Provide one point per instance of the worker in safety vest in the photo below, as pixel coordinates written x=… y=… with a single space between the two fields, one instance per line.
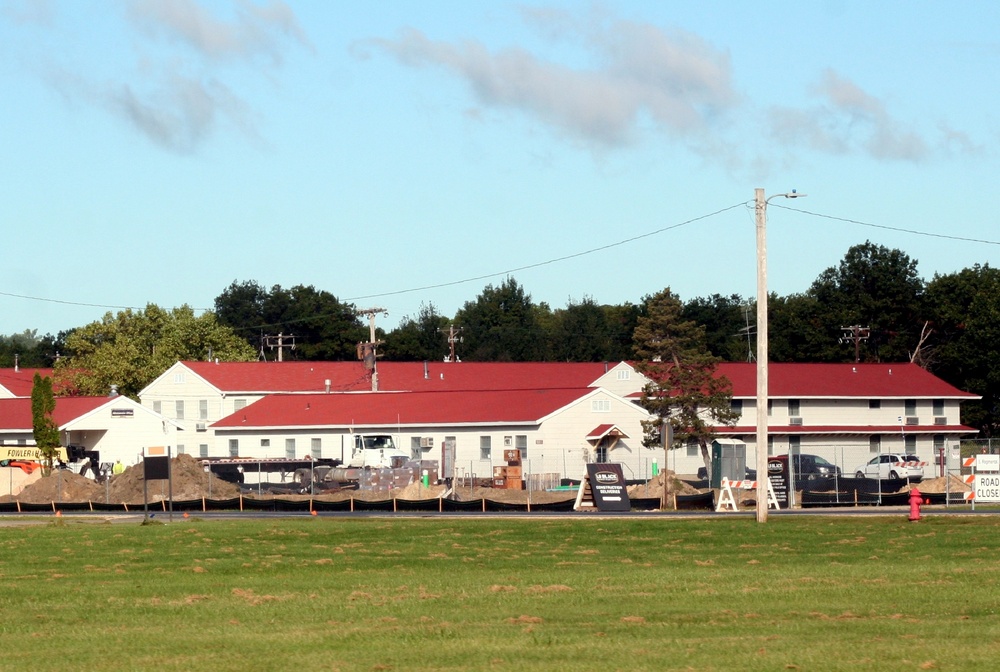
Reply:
x=118 y=468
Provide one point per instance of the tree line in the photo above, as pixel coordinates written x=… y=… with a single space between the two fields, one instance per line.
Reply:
x=872 y=307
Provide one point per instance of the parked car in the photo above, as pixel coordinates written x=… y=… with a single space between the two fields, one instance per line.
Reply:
x=892 y=466
x=812 y=472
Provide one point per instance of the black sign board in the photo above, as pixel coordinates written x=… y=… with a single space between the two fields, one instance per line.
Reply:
x=607 y=485
x=777 y=473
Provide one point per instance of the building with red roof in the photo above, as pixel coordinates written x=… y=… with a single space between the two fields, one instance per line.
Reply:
x=17 y=382
x=118 y=428
x=844 y=412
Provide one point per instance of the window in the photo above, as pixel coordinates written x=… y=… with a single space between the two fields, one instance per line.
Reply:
x=911 y=443
x=234 y=447
x=938 y=405
x=794 y=445
x=316 y=448
x=203 y=409
x=180 y=448
x=875 y=443
x=601 y=455
x=770 y=445
x=521 y=443
x=158 y=407
x=239 y=404
x=793 y=408
x=911 y=407
x=874 y=403
x=265 y=443
x=289 y=449
x=624 y=374
x=202 y=450
x=415 y=448
x=938 y=443
x=600 y=405
x=693 y=448
x=770 y=405
x=178 y=377
x=179 y=409
x=736 y=405
x=485 y=448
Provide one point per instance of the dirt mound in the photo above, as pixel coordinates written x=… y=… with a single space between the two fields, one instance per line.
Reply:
x=188 y=480
x=949 y=484
x=60 y=486
x=653 y=488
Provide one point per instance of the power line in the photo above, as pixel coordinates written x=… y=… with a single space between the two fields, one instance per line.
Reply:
x=887 y=228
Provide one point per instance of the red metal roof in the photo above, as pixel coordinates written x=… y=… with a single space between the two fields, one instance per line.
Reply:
x=601 y=431
x=15 y=414
x=802 y=381
x=391 y=409
x=233 y=377
x=20 y=381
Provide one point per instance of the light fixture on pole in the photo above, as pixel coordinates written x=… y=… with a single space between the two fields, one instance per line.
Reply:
x=760 y=206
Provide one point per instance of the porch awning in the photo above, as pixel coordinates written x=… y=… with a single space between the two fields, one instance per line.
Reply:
x=601 y=431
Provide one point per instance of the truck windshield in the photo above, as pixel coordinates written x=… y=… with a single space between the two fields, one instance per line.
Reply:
x=378 y=442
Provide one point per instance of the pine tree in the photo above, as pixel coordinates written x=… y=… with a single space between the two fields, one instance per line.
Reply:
x=44 y=428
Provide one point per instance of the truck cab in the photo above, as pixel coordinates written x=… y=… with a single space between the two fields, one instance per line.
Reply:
x=376 y=451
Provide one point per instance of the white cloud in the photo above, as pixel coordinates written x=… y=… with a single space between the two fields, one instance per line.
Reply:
x=674 y=79
x=253 y=30
x=848 y=120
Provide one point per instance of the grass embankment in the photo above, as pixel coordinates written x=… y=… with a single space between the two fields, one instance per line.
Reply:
x=583 y=594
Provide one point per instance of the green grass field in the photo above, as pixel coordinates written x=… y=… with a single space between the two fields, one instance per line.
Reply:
x=580 y=593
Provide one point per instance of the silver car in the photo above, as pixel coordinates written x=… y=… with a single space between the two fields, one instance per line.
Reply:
x=892 y=466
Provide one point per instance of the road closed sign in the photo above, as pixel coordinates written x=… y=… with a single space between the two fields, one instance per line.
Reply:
x=987 y=488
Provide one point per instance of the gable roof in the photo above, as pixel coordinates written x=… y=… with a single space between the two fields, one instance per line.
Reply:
x=303 y=377
x=398 y=409
x=20 y=381
x=15 y=414
x=802 y=381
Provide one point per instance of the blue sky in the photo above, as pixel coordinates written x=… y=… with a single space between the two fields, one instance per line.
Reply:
x=407 y=153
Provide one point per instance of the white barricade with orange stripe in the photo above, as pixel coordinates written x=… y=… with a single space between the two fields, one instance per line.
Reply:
x=728 y=501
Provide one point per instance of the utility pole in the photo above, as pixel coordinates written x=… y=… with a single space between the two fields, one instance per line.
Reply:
x=855 y=334
x=277 y=342
x=453 y=338
x=368 y=352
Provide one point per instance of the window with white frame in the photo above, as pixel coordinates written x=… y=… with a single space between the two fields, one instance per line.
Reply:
x=624 y=374
x=938 y=443
x=234 y=447
x=239 y=404
x=910 y=406
x=521 y=443
x=485 y=447
x=911 y=443
x=793 y=408
x=158 y=406
x=203 y=409
x=601 y=456
x=316 y=448
x=202 y=450
x=179 y=409
x=938 y=405
x=180 y=449
x=178 y=376
x=875 y=443
x=600 y=405
x=265 y=443
x=736 y=405
x=289 y=449
x=794 y=445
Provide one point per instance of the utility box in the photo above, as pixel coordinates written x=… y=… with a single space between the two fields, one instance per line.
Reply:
x=729 y=460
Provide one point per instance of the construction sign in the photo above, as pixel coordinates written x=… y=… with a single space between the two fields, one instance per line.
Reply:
x=604 y=488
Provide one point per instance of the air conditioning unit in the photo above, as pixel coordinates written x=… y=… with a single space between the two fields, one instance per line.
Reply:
x=795 y=421
x=940 y=420
x=426 y=442
x=200 y=427
x=912 y=421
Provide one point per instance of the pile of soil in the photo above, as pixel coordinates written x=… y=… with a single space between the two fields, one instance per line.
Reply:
x=188 y=481
x=942 y=484
x=654 y=487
